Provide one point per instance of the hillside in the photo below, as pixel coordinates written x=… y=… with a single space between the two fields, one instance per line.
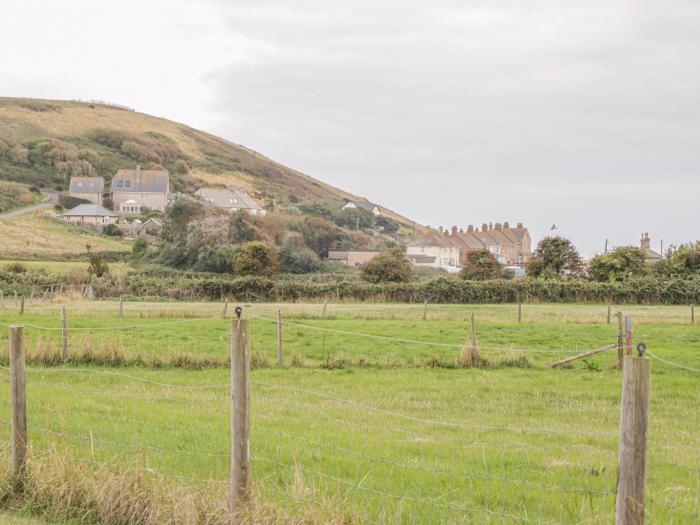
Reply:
x=45 y=142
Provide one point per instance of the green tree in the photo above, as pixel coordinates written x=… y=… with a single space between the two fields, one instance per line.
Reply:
x=386 y=224
x=112 y=230
x=139 y=248
x=681 y=261
x=480 y=265
x=295 y=257
x=257 y=258
x=178 y=216
x=554 y=257
x=354 y=219
x=241 y=228
x=319 y=234
x=388 y=266
x=618 y=265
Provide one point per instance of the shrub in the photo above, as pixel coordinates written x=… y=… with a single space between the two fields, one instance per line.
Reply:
x=16 y=267
x=387 y=225
x=620 y=264
x=98 y=266
x=107 y=202
x=299 y=260
x=112 y=230
x=139 y=248
x=69 y=202
x=683 y=261
x=388 y=266
x=480 y=265
x=319 y=234
x=257 y=259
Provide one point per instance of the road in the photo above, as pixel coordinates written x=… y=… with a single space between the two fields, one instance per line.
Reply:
x=48 y=202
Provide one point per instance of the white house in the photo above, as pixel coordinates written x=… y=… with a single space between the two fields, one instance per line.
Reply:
x=435 y=251
x=230 y=199
x=363 y=204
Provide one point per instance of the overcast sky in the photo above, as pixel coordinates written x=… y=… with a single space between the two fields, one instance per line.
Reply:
x=584 y=113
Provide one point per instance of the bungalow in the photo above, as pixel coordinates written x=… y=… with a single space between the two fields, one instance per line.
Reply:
x=148 y=188
x=87 y=188
x=230 y=199
x=90 y=215
x=363 y=204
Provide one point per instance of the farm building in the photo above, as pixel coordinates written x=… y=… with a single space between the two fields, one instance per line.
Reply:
x=90 y=215
x=230 y=199
x=148 y=188
x=363 y=204
x=87 y=188
x=352 y=258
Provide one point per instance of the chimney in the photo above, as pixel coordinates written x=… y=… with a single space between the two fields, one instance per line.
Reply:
x=470 y=228
x=646 y=242
x=461 y=230
x=454 y=230
x=506 y=225
x=138 y=175
x=490 y=226
x=520 y=225
x=484 y=227
x=498 y=226
x=440 y=229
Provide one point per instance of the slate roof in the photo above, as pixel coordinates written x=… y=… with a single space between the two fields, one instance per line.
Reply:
x=433 y=239
x=89 y=210
x=231 y=198
x=469 y=240
x=141 y=181
x=86 y=185
x=364 y=204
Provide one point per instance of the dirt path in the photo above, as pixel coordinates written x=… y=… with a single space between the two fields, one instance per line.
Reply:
x=48 y=202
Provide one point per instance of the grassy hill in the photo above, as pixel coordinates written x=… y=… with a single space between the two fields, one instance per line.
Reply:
x=45 y=142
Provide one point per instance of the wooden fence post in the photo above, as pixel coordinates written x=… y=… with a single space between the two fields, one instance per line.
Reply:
x=620 y=341
x=21 y=306
x=64 y=332
x=692 y=313
x=472 y=334
x=520 y=312
x=628 y=335
x=19 y=403
x=240 y=413
x=280 y=354
x=15 y=297
x=632 y=457
x=2 y=299
x=609 y=312
x=325 y=306
x=121 y=305
x=425 y=310
x=223 y=312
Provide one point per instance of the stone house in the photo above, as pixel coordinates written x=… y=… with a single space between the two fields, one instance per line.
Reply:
x=363 y=204
x=230 y=199
x=90 y=215
x=510 y=246
x=148 y=188
x=434 y=250
x=645 y=245
x=87 y=188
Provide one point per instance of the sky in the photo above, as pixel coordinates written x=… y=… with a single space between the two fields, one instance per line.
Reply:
x=583 y=114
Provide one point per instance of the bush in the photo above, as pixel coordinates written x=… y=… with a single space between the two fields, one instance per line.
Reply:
x=622 y=263
x=299 y=260
x=68 y=202
x=107 y=202
x=683 y=261
x=386 y=224
x=16 y=267
x=257 y=259
x=139 y=248
x=480 y=265
x=112 y=230
x=389 y=266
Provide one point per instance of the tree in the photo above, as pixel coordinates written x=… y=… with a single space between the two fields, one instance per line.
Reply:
x=354 y=219
x=112 y=230
x=257 y=258
x=386 y=224
x=319 y=234
x=480 y=265
x=621 y=263
x=296 y=257
x=139 y=248
x=683 y=261
x=554 y=257
x=97 y=265
x=178 y=215
x=388 y=266
x=241 y=228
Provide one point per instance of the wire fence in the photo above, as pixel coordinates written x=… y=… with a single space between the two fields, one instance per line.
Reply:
x=378 y=452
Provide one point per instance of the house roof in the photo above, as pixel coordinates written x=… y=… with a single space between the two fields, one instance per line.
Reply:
x=651 y=254
x=433 y=239
x=231 y=198
x=141 y=181
x=86 y=185
x=89 y=210
x=364 y=204
x=469 y=240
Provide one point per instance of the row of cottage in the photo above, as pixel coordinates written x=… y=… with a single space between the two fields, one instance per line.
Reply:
x=135 y=191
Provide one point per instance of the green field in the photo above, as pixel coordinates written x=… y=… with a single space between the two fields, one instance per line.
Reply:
x=356 y=429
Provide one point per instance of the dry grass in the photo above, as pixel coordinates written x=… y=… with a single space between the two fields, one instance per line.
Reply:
x=31 y=235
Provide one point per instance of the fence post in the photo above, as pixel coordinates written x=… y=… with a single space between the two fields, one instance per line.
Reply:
x=472 y=333
x=19 y=403
x=64 y=332
x=280 y=354
x=620 y=341
x=240 y=413
x=425 y=310
x=21 y=306
x=628 y=335
x=15 y=297
x=632 y=457
x=692 y=313
x=609 y=312
x=2 y=299
x=520 y=311
x=325 y=305
x=223 y=312
x=121 y=305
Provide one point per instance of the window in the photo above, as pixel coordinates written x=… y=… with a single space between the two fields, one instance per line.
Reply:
x=128 y=184
x=120 y=184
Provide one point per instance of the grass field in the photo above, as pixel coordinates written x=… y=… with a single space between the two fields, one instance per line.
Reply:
x=381 y=437
x=34 y=235
x=64 y=267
